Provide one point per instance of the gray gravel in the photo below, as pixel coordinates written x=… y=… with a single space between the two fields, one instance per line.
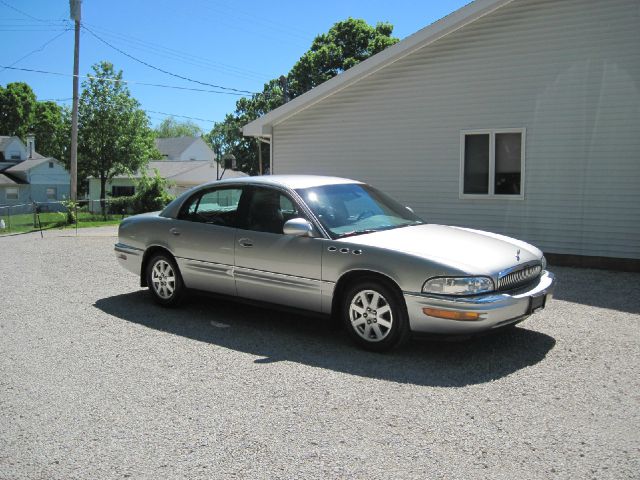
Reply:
x=97 y=382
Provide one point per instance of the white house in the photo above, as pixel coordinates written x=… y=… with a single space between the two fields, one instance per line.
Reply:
x=26 y=176
x=187 y=162
x=516 y=116
x=182 y=149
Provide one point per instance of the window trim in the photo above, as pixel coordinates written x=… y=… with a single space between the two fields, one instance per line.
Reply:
x=6 y=193
x=55 y=193
x=182 y=211
x=492 y=164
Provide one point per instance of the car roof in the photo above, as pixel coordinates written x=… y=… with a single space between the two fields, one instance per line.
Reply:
x=289 y=181
x=292 y=182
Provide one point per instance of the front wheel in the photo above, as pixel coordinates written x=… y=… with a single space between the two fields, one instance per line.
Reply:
x=375 y=316
x=164 y=280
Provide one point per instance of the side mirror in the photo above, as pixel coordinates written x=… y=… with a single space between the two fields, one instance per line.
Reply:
x=298 y=227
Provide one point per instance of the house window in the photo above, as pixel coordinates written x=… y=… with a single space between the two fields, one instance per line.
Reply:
x=123 y=191
x=14 y=155
x=51 y=193
x=50 y=164
x=11 y=193
x=492 y=163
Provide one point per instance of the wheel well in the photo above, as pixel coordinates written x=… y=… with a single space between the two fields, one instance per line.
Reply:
x=357 y=276
x=148 y=254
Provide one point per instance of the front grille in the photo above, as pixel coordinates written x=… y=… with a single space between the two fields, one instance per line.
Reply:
x=519 y=278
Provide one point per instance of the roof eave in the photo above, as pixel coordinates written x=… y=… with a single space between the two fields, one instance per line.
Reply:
x=471 y=12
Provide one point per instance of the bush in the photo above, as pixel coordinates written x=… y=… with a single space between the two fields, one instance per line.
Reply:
x=120 y=205
x=70 y=214
x=151 y=193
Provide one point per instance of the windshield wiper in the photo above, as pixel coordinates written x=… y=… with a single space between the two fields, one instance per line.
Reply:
x=359 y=232
x=379 y=229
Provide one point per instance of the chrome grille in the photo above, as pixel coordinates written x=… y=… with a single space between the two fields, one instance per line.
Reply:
x=519 y=278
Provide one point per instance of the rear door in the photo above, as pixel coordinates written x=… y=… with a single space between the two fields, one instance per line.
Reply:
x=203 y=236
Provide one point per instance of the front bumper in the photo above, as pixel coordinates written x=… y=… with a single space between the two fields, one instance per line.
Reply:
x=495 y=309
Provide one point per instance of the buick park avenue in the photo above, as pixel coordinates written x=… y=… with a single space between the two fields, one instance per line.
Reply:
x=337 y=247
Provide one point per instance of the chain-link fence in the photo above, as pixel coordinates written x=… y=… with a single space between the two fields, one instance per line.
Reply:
x=45 y=215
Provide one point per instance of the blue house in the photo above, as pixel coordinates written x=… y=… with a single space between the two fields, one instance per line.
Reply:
x=26 y=176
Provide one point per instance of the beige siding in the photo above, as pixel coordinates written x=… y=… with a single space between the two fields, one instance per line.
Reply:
x=567 y=71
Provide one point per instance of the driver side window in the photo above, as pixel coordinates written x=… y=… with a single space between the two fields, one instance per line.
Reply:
x=269 y=210
x=217 y=207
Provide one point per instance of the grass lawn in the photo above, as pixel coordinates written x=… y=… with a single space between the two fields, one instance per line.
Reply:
x=25 y=222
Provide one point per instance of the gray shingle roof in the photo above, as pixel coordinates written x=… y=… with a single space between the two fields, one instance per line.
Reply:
x=173 y=147
x=192 y=171
x=4 y=141
x=7 y=180
x=28 y=164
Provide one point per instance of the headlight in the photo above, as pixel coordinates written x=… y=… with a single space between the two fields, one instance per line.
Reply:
x=544 y=263
x=458 y=285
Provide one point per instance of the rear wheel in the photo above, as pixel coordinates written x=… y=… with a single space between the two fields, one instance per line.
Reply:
x=375 y=316
x=164 y=280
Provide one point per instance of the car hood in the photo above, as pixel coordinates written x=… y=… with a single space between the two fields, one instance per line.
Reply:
x=467 y=250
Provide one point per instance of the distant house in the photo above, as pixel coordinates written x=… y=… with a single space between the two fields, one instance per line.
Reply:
x=520 y=117
x=183 y=149
x=189 y=162
x=26 y=176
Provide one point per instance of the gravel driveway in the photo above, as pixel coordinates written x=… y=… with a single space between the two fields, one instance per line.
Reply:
x=96 y=382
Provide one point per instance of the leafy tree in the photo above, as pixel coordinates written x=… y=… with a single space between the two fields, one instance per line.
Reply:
x=21 y=113
x=51 y=126
x=170 y=127
x=113 y=132
x=17 y=106
x=346 y=44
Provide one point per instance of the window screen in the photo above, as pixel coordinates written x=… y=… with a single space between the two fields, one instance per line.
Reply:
x=476 y=163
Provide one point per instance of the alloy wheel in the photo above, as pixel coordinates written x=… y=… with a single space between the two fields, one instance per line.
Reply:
x=370 y=315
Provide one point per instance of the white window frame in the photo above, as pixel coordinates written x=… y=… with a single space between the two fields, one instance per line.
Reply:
x=17 y=193
x=492 y=163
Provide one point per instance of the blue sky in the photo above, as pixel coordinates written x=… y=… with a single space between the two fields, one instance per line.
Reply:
x=233 y=44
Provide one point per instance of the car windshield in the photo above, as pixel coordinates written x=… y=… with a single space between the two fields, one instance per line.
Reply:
x=353 y=209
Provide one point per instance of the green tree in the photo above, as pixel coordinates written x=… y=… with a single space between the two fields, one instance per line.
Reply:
x=51 y=126
x=114 y=136
x=17 y=108
x=346 y=44
x=170 y=127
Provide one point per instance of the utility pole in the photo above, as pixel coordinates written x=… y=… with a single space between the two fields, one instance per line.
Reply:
x=75 y=8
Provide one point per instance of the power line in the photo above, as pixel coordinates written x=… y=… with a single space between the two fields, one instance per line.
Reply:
x=165 y=71
x=39 y=49
x=181 y=56
x=22 y=12
x=183 y=116
x=133 y=82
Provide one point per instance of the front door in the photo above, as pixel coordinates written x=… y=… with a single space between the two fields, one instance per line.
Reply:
x=273 y=267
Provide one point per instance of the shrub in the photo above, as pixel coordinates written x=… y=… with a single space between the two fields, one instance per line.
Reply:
x=151 y=193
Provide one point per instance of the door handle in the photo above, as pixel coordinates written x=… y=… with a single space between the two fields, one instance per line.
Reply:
x=174 y=231
x=245 y=242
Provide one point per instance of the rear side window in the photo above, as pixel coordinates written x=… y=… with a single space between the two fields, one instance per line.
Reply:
x=217 y=207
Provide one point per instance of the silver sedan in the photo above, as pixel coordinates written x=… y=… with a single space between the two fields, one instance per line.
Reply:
x=337 y=247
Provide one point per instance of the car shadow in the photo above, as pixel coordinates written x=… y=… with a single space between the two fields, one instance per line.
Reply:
x=276 y=336
x=598 y=288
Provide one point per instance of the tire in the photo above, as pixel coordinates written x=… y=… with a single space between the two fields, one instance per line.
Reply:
x=164 y=280
x=375 y=316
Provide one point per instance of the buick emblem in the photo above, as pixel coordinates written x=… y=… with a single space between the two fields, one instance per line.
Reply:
x=518 y=255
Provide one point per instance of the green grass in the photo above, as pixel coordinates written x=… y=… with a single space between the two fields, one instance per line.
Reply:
x=25 y=222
